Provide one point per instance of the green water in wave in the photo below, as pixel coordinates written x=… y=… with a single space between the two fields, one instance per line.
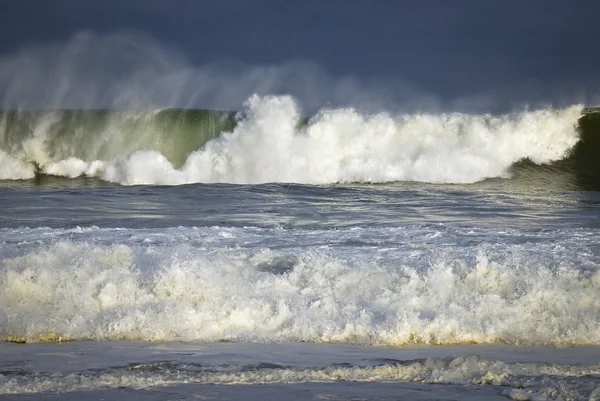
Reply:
x=585 y=155
x=45 y=136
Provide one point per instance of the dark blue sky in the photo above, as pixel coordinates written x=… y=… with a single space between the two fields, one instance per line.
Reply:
x=541 y=49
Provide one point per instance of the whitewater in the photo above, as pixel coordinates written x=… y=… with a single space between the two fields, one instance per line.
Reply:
x=271 y=141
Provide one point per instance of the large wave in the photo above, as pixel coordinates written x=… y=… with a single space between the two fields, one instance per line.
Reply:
x=271 y=141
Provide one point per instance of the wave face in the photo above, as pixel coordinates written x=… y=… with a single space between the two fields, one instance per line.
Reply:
x=84 y=142
x=270 y=141
x=387 y=286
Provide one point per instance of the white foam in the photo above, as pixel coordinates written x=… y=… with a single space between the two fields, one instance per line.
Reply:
x=204 y=287
x=73 y=167
x=342 y=145
x=345 y=146
x=14 y=169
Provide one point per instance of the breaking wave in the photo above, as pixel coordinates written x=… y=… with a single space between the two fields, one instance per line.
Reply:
x=183 y=288
x=271 y=141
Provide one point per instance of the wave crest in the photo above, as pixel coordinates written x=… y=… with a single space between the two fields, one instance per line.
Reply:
x=272 y=142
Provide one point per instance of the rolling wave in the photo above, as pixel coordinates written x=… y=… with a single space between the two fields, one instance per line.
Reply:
x=270 y=141
x=521 y=381
x=208 y=284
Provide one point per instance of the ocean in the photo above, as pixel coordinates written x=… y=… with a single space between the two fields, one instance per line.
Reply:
x=193 y=254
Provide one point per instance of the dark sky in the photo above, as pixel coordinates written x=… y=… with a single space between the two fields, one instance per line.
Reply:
x=545 y=50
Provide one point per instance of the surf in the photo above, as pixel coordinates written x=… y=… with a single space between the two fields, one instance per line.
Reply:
x=211 y=284
x=271 y=140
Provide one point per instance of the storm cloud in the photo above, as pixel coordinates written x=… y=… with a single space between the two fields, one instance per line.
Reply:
x=462 y=53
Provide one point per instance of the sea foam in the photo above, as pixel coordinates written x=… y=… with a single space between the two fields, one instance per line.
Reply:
x=204 y=287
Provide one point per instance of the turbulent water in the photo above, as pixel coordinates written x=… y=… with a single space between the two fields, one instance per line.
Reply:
x=270 y=141
x=358 y=229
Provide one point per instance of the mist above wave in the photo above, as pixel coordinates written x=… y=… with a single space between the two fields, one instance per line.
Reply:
x=133 y=71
